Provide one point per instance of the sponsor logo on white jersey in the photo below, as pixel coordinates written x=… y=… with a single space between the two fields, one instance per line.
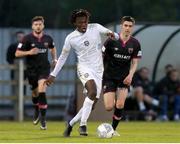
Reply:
x=86 y=43
x=86 y=75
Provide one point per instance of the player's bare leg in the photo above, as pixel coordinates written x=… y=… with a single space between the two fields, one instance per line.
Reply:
x=109 y=102
x=119 y=108
x=109 y=99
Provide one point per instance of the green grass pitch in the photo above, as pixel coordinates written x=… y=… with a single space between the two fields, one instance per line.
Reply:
x=26 y=132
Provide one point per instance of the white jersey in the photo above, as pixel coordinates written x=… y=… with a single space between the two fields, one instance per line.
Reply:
x=87 y=46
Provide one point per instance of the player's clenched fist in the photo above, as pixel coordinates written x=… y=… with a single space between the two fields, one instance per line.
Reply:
x=34 y=51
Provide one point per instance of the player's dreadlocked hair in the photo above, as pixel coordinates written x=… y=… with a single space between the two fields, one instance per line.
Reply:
x=127 y=18
x=79 y=13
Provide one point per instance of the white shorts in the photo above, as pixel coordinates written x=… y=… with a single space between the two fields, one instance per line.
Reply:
x=85 y=74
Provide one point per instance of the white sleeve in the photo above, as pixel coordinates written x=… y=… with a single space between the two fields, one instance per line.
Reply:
x=103 y=30
x=116 y=36
x=62 y=58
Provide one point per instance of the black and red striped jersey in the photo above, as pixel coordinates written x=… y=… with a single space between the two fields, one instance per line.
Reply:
x=43 y=44
x=118 y=56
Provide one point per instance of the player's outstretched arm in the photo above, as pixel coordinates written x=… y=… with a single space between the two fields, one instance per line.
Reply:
x=133 y=68
x=61 y=60
x=53 y=52
x=107 y=32
x=50 y=80
x=20 y=53
x=113 y=35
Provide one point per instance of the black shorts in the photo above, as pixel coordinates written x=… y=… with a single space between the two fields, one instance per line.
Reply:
x=111 y=85
x=34 y=75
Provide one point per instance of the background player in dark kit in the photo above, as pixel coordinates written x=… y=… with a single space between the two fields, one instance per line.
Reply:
x=35 y=48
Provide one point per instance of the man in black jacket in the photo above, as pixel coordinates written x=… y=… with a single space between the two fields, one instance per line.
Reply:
x=168 y=90
x=10 y=55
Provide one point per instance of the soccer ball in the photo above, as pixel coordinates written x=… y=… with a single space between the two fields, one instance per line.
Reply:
x=105 y=130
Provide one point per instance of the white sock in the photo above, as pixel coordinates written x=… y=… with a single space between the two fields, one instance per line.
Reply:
x=86 y=110
x=142 y=106
x=155 y=102
x=76 y=118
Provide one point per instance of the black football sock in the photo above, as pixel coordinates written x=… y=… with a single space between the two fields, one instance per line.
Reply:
x=43 y=105
x=117 y=117
x=35 y=102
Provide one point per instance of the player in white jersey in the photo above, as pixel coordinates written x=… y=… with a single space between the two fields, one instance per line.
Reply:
x=87 y=41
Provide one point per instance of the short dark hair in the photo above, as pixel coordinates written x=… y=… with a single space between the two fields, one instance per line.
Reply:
x=172 y=71
x=19 y=32
x=143 y=68
x=127 y=18
x=79 y=13
x=168 y=66
x=37 y=18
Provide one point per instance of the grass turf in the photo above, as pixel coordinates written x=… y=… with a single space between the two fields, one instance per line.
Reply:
x=166 y=132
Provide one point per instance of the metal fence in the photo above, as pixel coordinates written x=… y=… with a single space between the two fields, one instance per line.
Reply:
x=16 y=104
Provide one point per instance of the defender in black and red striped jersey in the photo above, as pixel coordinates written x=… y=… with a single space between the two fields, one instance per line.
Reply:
x=35 y=48
x=120 y=62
